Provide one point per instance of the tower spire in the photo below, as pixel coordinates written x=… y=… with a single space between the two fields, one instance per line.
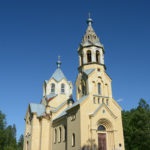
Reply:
x=90 y=38
x=58 y=62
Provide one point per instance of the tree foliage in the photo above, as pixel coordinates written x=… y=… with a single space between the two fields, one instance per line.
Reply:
x=136 y=123
x=20 y=143
x=8 y=136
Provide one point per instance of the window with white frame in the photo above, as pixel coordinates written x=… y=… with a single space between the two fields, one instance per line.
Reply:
x=52 y=88
x=62 y=88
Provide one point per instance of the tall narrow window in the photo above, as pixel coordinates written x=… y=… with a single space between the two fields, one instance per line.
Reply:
x=97 y=57
x=99 y=88
x=83 y=87
x=89 y=59
x=73 y=140
x=52 y=88
x=62 y=88
x=55 y=135
x=94 y=100
x=65 y=134
x=27 y=148
x=60 y=134
x=81 y=60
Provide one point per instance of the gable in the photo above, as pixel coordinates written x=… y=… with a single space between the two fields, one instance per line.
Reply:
x=104 y=108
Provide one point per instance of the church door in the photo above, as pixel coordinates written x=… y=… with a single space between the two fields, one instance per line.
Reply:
x=102 y=141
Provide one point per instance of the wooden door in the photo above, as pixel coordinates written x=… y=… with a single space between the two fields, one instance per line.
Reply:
x=102 y=141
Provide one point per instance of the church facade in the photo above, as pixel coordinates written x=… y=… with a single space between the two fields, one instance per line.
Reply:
x=92 y=122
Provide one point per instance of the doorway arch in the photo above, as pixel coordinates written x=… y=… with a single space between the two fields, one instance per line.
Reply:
x=103 y=128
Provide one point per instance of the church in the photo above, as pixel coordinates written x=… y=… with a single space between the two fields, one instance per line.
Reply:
x=92 y=121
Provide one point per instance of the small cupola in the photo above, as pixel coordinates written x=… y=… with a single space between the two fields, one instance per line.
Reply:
x=57 y=84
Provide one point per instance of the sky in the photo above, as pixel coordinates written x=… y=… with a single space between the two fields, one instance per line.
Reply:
x=34 y=33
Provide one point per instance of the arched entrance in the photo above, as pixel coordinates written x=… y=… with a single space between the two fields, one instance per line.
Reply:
x=102 y=144
x=103 y=127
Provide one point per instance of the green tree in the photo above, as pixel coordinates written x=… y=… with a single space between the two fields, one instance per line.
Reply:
x=20 y=143
x=2 y=130
x=7 y=134
x=136 y=124
x=10 y=135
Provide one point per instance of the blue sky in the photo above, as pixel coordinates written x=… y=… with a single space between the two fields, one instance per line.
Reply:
x=34 y=33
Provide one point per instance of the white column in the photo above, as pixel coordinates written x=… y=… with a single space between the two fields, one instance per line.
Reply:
x=93 y=56
x=101 y=57
x=84 y=57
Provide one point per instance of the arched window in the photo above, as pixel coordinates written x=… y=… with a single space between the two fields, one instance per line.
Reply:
x=64 y=133
x=73 y=140
x=52 y=88
x=101 y=128
x=94 y=100
x=83 y=87
x=81 y=60
x=97 y=56
x=55 y=135
x=60 y=134
x=27 y=148
x=62 y=88
x=99 y=88
x=89 y=59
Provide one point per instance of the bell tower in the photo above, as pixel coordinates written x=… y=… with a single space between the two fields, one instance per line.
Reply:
x=92 y=78
x=90 y=51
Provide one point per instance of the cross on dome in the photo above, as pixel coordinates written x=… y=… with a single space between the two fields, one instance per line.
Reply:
x=58 y=62
x=89 y=21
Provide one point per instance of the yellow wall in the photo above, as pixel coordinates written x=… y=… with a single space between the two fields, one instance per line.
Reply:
x=73 y=127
